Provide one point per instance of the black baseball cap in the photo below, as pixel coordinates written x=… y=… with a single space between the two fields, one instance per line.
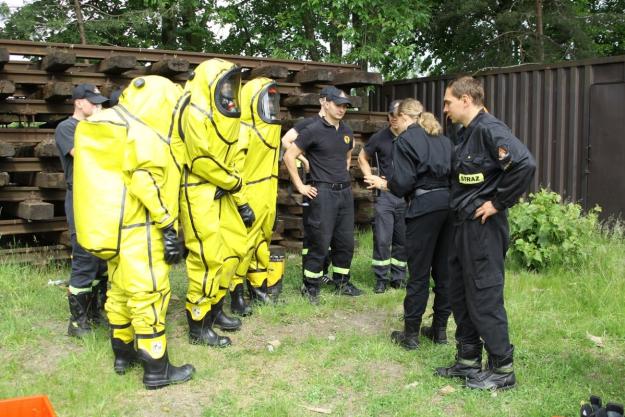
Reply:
x=329 y=91
x=392 y=108
x=339 y=97
x=89 y=92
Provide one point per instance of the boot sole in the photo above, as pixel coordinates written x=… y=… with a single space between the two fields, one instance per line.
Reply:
x=164 y=384
x=201 y=343
x=227 y=329
x=508 y=387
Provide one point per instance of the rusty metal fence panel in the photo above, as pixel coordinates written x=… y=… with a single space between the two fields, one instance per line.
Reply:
x=547 y=107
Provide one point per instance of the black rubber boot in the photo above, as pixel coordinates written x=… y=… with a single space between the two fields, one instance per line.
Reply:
x=79 y=320
x=409 y=338
x=158 y=373
x=468 y=362
x=274 y=291
x=590 y=409
x=437 y=335
x=380 y=286
x=95 y=310
x=221 y=320
x=237 y=302
x=201 y=332
x=311 y=289
x=125 y=355
x=259 y=294
x=498 y=375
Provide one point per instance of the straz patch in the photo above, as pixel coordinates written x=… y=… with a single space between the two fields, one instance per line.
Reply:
x=346 y=139
x=470 y=179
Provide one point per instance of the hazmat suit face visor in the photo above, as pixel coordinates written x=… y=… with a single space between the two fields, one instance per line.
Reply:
x=269 y=105
x=227 y=93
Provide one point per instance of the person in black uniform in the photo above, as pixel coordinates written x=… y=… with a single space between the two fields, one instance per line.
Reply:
x=287 y=140
x=88 y=279
x=421 y=171
x=491 y=169
x=389 y=227
x=328 y=144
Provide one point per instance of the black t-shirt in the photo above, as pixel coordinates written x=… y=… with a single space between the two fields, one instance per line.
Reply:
x=381 y=143
x=64 y=137
x=304 y=123
x=326 y=149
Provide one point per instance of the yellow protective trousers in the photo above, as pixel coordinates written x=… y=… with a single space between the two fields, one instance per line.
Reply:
x=139 y=295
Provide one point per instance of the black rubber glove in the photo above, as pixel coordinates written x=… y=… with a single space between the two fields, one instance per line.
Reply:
x=219 y=192
x=173 y=247
x=247 y=214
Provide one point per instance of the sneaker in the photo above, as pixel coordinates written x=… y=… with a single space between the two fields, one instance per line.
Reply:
x=348 y=289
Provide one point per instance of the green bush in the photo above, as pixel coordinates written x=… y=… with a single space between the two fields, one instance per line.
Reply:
x=545 y=232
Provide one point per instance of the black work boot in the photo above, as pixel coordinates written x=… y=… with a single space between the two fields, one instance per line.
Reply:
x=344 y=287
x=79 y=321
x=468 y=362
x=311 y=289
x=221 y=320
x=158 y=373
x=590 y=409
x=237 y=302
x=498 y=375
x=201 y=332
x=95 y=310
x=409 y=337
x=437 y=335
x=379 y=287
x=125 y=355
x=275 y=290
x=259 y=294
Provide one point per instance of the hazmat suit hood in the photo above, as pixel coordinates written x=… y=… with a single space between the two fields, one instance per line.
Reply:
x=260 y=101
x=215 y=91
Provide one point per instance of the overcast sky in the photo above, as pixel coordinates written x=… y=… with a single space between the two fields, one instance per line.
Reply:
x=15 y=3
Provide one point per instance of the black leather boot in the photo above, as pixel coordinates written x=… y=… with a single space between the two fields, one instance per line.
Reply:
x=95 y=310
x=311 y=289
x=274 y=291
x=79 y=320
x=259 y=294
x=221 y=320
x=409 y=338
x=158 y=373
x=237 y=302
x=125 y=355
x=201 y=332
x=437 y=335
x=498 y=375
x=468 y=362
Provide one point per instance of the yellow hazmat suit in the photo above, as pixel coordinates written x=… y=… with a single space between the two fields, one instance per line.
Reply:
x=128 y=161
x=214 y=231
x=257 y=160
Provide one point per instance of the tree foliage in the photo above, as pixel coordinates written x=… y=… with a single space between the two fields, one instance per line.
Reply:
x=396 y=37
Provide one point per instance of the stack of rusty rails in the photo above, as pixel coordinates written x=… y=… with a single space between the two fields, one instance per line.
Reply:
x=36 y=82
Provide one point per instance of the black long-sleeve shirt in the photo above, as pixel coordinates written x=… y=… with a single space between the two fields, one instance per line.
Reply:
x=489 y=164
x=421 y=162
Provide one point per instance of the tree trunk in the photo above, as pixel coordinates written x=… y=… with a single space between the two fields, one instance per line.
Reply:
x=81 y=23
x=309 y=32
x=539 y=30
x=360 y=41
x=168 y=27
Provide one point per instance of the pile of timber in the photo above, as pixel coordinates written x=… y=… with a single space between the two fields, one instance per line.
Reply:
x=36 y=82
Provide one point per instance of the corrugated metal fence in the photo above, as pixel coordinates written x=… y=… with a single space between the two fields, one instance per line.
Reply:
x=560 y=112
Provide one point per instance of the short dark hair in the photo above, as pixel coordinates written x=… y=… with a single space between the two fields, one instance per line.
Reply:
x=469 y=86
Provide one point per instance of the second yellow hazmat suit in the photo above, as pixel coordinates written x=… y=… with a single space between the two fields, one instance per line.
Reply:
x=257 y=160
x=127 y=160
x=214 y=230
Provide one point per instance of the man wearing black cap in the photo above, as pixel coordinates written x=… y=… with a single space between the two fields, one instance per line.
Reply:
x=88 y=279
x=328 y=144
x=287 y=140
x=389 y=227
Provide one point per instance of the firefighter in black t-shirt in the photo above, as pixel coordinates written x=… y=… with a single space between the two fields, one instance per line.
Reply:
x=328 y=145
x=491 y=168
x=389 y=227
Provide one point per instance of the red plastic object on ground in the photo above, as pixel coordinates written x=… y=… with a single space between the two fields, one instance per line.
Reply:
x=35 y=406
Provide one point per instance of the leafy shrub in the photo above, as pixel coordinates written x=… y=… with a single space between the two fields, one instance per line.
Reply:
x=546 y=232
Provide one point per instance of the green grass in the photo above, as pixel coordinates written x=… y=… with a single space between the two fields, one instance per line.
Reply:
x=336 y=357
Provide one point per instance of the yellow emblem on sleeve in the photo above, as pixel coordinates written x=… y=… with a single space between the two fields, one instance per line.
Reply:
x=470 y=179
x=346 y=138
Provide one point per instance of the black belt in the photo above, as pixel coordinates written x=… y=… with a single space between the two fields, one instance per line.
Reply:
x=420 y=191
x=331 y=185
